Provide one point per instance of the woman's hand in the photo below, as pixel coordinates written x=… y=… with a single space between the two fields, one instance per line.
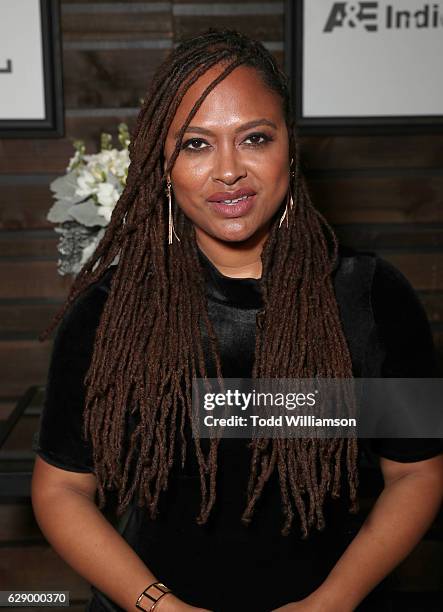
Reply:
x=171 y=603
x=315 y=602
x=296 y=606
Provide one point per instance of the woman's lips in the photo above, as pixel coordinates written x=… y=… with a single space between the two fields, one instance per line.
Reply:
x=234 y=210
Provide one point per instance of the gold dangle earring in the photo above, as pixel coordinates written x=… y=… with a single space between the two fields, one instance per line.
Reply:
x=289 y=199
x=170 y=219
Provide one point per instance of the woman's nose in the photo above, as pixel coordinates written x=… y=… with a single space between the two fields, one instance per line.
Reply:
x=228 y=166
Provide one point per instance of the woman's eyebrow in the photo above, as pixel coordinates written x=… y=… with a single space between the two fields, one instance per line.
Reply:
x=241 y=128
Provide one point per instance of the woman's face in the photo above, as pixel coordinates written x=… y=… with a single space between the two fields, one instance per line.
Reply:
x=236 y=146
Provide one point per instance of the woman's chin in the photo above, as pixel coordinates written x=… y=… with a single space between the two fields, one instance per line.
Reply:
x=234 y=230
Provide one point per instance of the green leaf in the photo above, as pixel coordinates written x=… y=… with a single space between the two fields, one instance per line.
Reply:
x=64 y=188
x=86 y=214
x=60 y=211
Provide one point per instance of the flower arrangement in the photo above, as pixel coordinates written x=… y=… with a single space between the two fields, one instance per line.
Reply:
x=85 y=198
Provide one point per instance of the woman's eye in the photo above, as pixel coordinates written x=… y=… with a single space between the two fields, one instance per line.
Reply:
x=258 y=139
x=198 y=144
x=193 y=144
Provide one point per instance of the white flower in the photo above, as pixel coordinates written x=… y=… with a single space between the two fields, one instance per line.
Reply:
x=105 y=211
x=109 y=166
x=87 y=183
x=120 y=163
x=107 y=197
x=107 y=194
x=97 y=171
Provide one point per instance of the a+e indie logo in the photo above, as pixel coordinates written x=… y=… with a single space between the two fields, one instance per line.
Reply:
x=370 y=16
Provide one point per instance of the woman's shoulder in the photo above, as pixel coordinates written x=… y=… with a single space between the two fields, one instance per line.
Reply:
x=353 y=276
x=395 y=302
x=59 y=439
x=387 y=284
x=376 y=298
x=400 y=319
x=392 y=296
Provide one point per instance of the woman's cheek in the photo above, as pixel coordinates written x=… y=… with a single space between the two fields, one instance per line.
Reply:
x=190 y=173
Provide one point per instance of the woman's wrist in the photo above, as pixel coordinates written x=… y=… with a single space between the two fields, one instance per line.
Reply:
x=150 y=598
x=171 y=603
x=168 y=603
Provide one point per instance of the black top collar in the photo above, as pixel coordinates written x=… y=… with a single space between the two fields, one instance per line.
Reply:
x=240 y=292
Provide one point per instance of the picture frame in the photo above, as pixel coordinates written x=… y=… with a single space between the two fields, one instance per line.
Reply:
x=367 y=77
x=31 y=104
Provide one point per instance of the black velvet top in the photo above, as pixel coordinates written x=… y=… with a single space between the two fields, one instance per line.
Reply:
x=225 y=565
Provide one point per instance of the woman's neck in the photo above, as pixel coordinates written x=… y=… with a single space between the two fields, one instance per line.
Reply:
x=234 y=259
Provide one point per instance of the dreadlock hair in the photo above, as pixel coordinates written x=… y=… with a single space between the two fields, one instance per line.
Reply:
x=148 y=345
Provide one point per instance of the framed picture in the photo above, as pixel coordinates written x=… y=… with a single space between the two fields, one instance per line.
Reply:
x=365 y=66
x=31 y=98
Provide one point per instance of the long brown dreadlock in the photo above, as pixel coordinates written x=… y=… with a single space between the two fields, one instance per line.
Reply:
x=148 y=345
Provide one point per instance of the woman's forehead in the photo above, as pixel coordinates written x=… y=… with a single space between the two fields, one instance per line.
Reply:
x=241 y=95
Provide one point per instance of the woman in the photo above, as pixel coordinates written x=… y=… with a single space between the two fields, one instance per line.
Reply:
x=230 y=273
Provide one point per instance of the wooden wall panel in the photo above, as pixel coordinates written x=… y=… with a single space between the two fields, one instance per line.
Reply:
x=424 y=270
x=376 y=236
x=24 y=163
x=25 y=202
x=24 y=363
x=32 y=279
x=28 y=244
x=18 y=524
x=142 y=22
x=21 y=436
x=100 y=77
x=40 y=569
x=6 y=406
x=382 y=199
x=251 y=24
x=20 y=156
x=377 y=153
x=23 y=319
